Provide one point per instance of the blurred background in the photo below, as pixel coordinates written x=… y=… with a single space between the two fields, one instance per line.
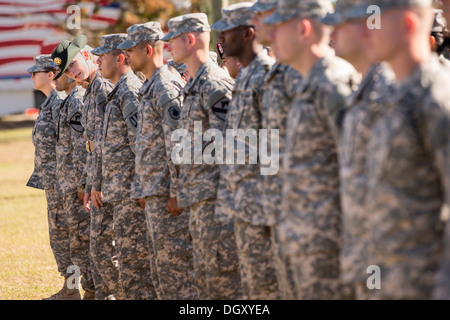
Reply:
x=32 y=27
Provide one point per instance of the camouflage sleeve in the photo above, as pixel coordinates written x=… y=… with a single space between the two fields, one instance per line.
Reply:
x=217 y=96
x=46 y=153
x=100 y=102
x=79 y=153
x=139 y=145
x=332 y=100
x=169 y=105
x=435 y=129
x=130 y=104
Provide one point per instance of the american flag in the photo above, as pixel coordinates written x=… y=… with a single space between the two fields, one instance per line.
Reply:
x=32 y=27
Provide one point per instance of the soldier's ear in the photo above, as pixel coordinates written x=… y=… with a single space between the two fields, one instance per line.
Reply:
x=149 y=50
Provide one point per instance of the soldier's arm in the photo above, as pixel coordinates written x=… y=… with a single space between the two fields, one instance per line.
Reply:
x=100 y=101
x=434 y=126
x=332 y=99
x=79 y=153
x=216 y=98
x=46 y=153
x=169 y=106
x=130 y=108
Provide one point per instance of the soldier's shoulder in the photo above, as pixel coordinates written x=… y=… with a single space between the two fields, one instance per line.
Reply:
x=216 y=79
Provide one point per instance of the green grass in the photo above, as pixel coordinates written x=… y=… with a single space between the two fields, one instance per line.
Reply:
x=27 y=267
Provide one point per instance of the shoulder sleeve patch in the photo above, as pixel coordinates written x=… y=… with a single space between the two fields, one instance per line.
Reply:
x=75 y=122
x=130 y=112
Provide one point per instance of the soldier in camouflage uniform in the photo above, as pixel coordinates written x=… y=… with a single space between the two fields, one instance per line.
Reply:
x=115 y=169
x=156 y=176
x=349 y=20
x=206 y=98
x=408 y=157
x=311 y=225
x=70 y=161
x=44 y=173
x=74 y=59
x=237 y=193
x=278 y=91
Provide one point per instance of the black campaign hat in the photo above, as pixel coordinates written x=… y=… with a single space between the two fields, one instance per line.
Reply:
x=66 y=51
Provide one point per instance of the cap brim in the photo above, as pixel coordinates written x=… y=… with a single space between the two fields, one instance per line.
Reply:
x=34 y=69
x=100 y=50
x=72 y=50
x=127 y=44
x=261 y=7
x=354 y=13
x=221 y=25
x=170 y=35
x=332 y=19
x=277 y=17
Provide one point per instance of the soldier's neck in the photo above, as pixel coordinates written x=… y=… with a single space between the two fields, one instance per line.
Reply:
x=249 y=54
x=305 y=62
x=48 y=89
x=195 y=61
x=70 y=87
x=151 y=67
x=405 y=62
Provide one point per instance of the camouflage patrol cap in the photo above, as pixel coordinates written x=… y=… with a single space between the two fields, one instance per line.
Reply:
x=191 y=22
x=346 y=10
x=290 y=9
x=137 y=33
x=233 y=16
x=66 y=51
x=264 y=5
x=439 y=23
x=40 y=62
x=388 y=4
x=109 y=43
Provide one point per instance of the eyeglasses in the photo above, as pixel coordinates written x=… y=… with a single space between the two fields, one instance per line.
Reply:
x=220 y=50
x=36 y=72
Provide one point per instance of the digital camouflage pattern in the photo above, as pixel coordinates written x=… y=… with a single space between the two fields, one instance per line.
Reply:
x=280 y=85
x=94 y=102
x=133 y=251
x=149 y=31
x=278 y=92
x=101 y=231
x=238 y=194
x=233 y=16
x=118 y=169
x=160 y=109
x=408 y=183
x=289 y=9
x=364 y=108
x=156 y=179
x=44 y=177
x=44 y=141
x=70 y=147
x=191 y=22
x=311 y=223
x=173 y=251
x=118 y=139
x=216 y=262
x=206 y=97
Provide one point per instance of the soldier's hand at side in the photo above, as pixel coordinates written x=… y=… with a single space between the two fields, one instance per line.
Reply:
x=96 y=197
x=142 y=202
x=81 y=196
x=86 y=198
x=172 y=207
